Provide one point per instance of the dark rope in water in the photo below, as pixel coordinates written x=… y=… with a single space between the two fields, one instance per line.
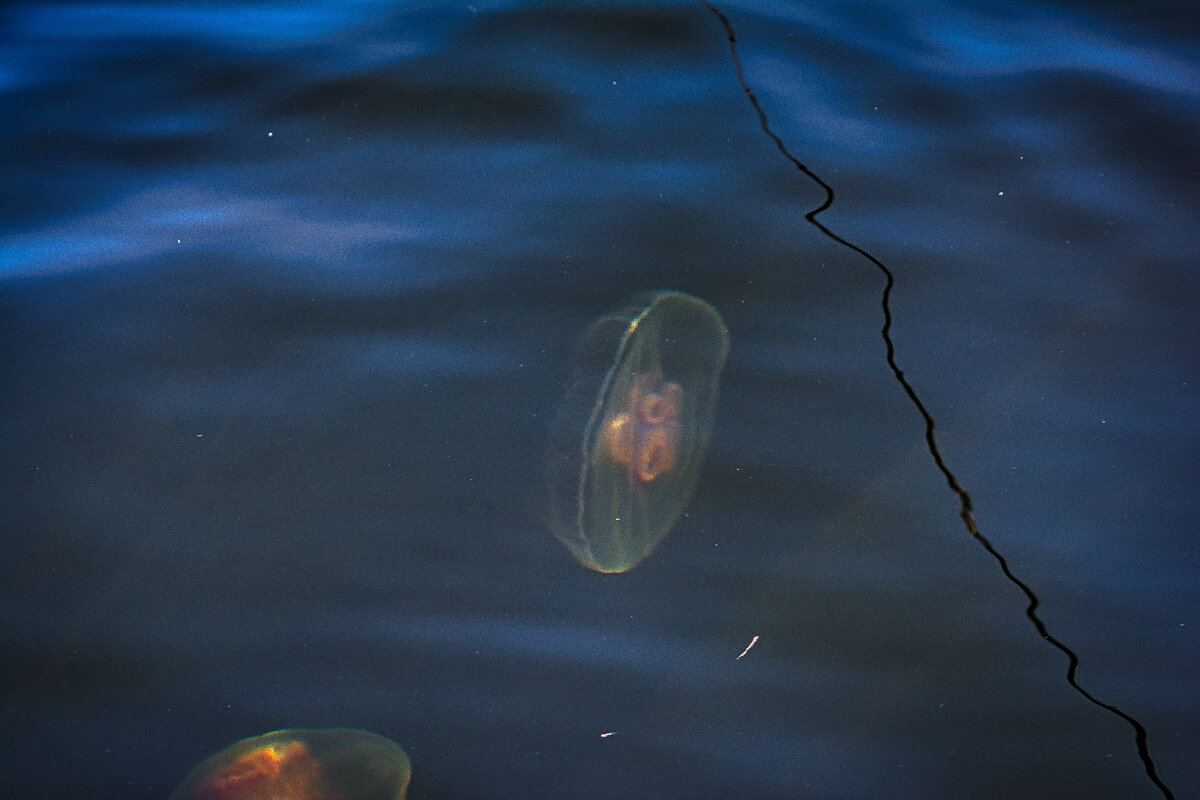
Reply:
x=966 y=510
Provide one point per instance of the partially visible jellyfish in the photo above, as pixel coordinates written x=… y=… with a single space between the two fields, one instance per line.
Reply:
x=627 y=449
x=300 y=764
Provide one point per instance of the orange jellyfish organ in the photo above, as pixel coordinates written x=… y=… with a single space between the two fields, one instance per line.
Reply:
x=283 y=771
x=644 y=437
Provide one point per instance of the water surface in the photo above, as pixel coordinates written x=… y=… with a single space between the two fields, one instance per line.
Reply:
x=289 y=296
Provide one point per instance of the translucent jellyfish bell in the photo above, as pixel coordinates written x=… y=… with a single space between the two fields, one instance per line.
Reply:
x=628 y=447
x=299 y=764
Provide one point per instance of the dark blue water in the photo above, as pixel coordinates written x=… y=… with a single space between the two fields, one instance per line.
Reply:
x=288 y=299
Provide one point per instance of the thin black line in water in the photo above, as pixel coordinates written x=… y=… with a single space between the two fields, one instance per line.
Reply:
x=966 y=510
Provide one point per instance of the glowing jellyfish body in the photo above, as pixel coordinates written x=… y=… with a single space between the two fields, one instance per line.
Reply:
x=325 y=764
x=628 y=447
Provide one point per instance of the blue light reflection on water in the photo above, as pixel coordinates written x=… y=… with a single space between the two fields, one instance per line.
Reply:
x=288 y=304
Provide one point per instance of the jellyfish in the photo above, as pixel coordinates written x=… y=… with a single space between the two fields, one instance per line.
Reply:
x=299 y=764
x=628 y=447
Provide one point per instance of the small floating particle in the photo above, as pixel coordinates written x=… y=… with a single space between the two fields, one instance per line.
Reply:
x=747 y=650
